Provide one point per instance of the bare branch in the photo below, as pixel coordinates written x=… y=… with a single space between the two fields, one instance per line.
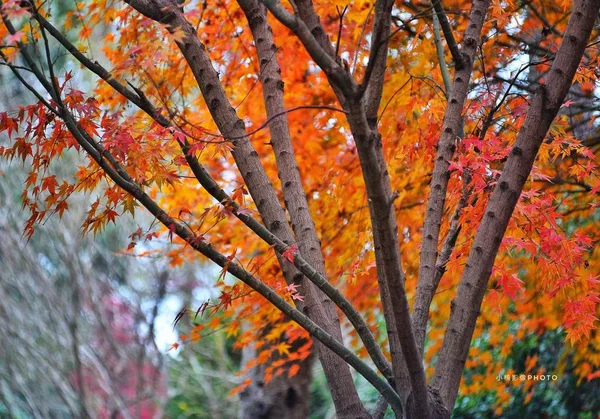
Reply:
x=447 y=29
x=440 y=53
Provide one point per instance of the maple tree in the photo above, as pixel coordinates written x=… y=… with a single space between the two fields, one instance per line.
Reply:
x=414 y=167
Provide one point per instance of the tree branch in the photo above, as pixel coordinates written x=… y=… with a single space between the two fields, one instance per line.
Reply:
x=390 y=273
x=373 y=80
x=295 y=197
x=244 y=154
x=451 y=131
x=96 y=152
x=447 y=29
x=307 y=13
x=439 y=47
x=453 y=231
x=472 y=287
x=269 y=294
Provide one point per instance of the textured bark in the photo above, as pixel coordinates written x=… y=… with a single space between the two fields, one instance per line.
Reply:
x=378 y=59
x=360 y=102
x=119 y=175
x=440 y=14
x=372 y=101
x=289 y=174
x=135 y=96
x=387 y=250
x=545 y=105
x=307 y=13
x=428 y=281
x=379 y=193
x=309 y=16
x=339 y=78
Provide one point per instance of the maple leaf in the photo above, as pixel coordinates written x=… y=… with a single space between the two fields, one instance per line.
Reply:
x=223 y=272
x=179 y=35
x=171 y=231
x=232 y=255
x=454 y=166
x=61 y=207
x=49 y=184
x=292 y=288
x=185 y=211
x=179 y=136
x=245 y=384
x=297 y=297
x=233 y=329
x=510 y=285
x=283 y=348
x=593 y=280
x=111 y=215
x=293 y=370
x=567 y=103
x=214 y=323
x=14 y=38
x=197 y=240
x=593 y=375
x=194 y=148
x=137 y=234
x=226 y=299
x=201 y=309
x=16 y=8
x=151 y=236
x=290 y=253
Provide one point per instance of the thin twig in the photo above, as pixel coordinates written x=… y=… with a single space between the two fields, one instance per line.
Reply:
x=341 y=18
x=447 y=30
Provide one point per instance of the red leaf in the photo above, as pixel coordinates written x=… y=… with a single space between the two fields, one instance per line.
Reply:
x=184 y=211
x=567 y=103
x=290 y=253
x=171 y=231
x=511 y=285
x=293 y=370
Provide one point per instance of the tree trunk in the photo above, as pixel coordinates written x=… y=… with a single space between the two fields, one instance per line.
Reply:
x=282 y=397
x=544 y=107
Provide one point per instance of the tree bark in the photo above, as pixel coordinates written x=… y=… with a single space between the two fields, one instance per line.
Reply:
x=546 y=103
x=135 y=95
x=289 y=174
x=378 y=187
x=282 y=397
x=428 y=281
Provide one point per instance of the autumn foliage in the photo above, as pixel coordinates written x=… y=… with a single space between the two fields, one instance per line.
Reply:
x=546 y=272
